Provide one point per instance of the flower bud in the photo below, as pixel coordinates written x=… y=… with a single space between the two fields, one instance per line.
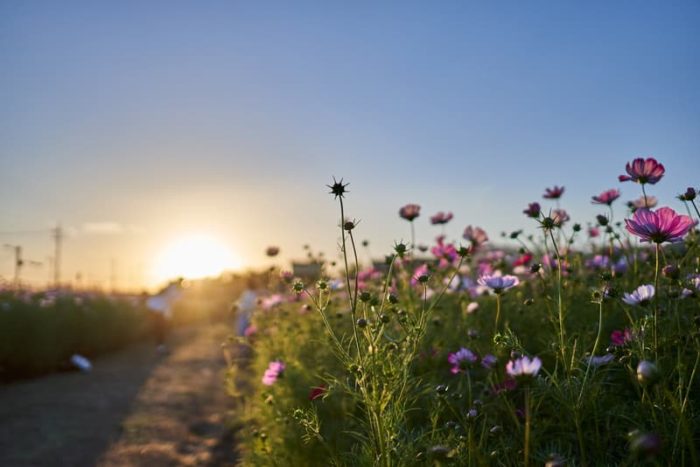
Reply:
x=647 y=373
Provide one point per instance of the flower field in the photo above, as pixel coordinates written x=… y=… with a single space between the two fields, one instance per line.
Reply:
x=576 y=345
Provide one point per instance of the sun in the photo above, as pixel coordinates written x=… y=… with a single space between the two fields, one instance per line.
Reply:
x=194 y=256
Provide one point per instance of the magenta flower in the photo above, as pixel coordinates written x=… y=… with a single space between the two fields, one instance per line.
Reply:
x=446 y=253
x=274 y=371
x=461 y=359
x=662 y=225
x=619 y=338
x=498 y=284
x=410 y=212
x=420 y=272
x=553 y=193
x=441 y=218
x=643 y=171
x=593 y=232
x=523 y=366
x=476 y=236
x=607 y=197
x=643 y=295
x=533 y=210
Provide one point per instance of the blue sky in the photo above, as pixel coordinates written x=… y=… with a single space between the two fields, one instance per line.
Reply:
x=161 y=118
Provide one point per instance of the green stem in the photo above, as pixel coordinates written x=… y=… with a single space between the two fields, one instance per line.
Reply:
x=656 y=303
x=498 y=312
x=527 y=427
x=559 y=302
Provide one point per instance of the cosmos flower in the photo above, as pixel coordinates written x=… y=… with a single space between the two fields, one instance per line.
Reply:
x=273 y=372
x=441 y=218
x=606 y=197
x=560 y=217
x=662 y=225
x=553 y=193
x=643 y=171
x=593 y=232
x=643 y=295
x=410 y=212
x=533 y=210
x=641 y=203
x=461 y=359
x=476 y=236
x=689 y=195
x=598 y=360
x=317 y=392
x=619 y=338
x=523 y=366
x=498 y=284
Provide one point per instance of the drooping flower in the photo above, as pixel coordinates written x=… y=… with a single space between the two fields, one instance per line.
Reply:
x=441 y=218
x=641 y=296
x=553 y=193
x=606 y=197
x=498 y=284
x=643 y=171
x=533 y=210
x=461 y=359
x=662 y=225
x=273 y=372
x=410 y=212
x=476 y=236
x=523 y=366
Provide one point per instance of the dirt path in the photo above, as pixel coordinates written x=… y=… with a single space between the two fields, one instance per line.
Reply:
x=135 y=408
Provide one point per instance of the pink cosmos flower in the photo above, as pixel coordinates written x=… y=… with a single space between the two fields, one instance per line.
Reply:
x=607 y=197
x=461 y=359
x=560 y=217
x=498 y=284
x=410 y=212
x=523 y=366
x=593 y=232
x=446 y=253
x=273 y=372
x=643 y=171
x=476 y=236
x=441 y=218
x=523 y=260
x=643 y=295
x=533 y=210
x=640 y=203
x=619 y=338
x=553 y=193
x=662 y=225
x=419 y=272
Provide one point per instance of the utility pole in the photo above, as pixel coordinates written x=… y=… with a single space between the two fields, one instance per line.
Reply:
x=57 y=238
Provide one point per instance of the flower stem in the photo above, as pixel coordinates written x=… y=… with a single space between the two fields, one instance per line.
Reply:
x=498 y=312
x=646 y=202
x=560 y=305
x=353 y=299
x=656 y=303
x=527 y=427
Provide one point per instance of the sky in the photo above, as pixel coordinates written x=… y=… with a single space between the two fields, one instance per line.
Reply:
x=138 y=124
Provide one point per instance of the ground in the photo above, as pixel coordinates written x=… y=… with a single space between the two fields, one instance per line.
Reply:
x=137 y=407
